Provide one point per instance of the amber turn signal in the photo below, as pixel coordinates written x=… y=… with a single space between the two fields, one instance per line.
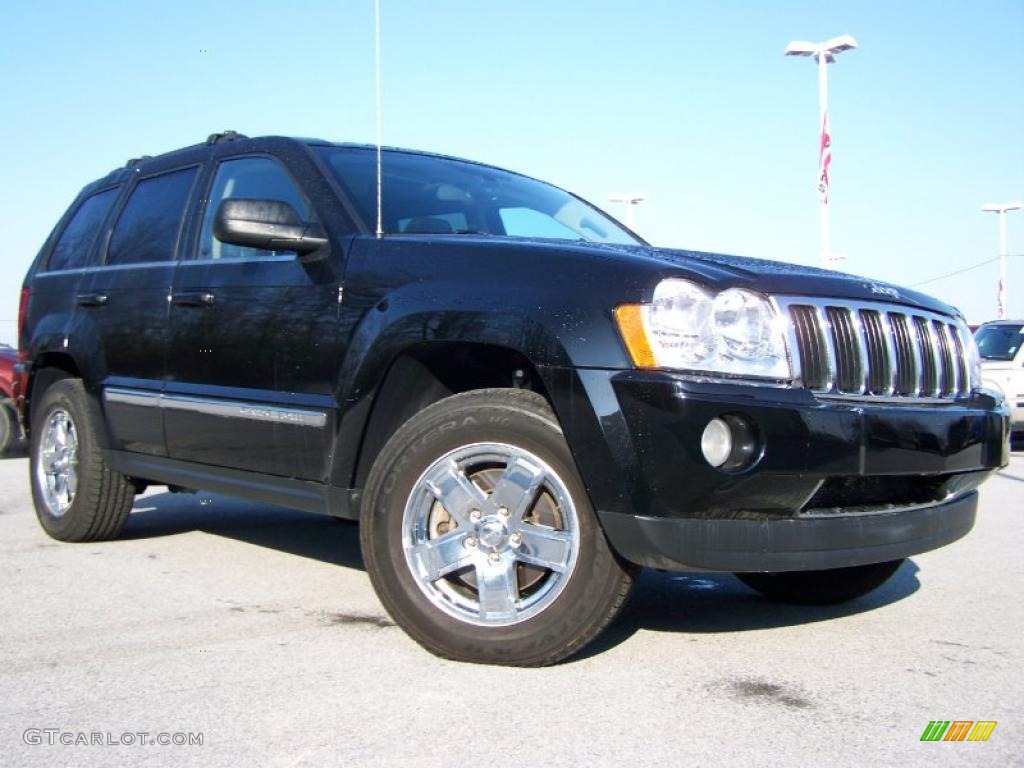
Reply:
x=630 y=319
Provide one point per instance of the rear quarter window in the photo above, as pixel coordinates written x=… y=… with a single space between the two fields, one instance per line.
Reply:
x=76 y=241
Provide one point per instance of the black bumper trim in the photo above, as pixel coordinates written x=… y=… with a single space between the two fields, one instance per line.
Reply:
x=787 y=544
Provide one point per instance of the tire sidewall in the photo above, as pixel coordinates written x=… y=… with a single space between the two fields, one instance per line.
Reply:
x=76 y=519
x=8 y=426
x=434 y=435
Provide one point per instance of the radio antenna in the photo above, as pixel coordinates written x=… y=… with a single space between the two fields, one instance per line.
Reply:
x=380 y=194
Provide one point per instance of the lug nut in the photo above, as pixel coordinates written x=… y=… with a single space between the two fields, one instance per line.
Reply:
x=495 y=557
x=470 y=543
x=516 y=539
x=503 y=511
x=475 y=515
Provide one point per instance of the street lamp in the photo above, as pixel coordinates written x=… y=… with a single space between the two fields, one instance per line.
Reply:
x=824 y=53
x=630 y=201
x=1001 y=209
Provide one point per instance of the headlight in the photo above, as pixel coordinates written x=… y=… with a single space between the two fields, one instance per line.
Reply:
x=735 y=332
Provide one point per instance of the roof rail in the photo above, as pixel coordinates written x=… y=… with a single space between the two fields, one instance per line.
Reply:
x=224 y=136
x=136 y=160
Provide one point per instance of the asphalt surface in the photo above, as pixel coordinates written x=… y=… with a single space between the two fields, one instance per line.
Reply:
x=257 y=628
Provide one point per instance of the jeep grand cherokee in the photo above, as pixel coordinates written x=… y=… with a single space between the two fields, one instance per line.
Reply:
x=520 y=400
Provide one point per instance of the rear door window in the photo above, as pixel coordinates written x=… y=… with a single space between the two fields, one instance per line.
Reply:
x=147 y=230
x=76 y=241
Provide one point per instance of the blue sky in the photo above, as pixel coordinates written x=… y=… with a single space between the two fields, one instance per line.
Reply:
x=691 y=103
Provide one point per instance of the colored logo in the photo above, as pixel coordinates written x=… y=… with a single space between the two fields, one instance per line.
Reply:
x=958 y=730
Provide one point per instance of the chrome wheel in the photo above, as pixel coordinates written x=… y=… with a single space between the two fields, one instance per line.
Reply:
x=57 y=462
x=490 y=534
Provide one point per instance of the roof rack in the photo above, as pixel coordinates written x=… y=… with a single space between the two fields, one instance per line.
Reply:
x=224 y=137
x=136 y=160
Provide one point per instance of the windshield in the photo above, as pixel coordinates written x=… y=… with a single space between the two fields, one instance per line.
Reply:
x=424 y=194
x=999 y=342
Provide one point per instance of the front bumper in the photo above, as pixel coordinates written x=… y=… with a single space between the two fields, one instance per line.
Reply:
x=836 y=482
x=788 y=544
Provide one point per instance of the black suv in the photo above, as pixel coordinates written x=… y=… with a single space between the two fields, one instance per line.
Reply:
x=518 y=398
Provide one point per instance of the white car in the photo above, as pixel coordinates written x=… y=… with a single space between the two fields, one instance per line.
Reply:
x=1001 y=345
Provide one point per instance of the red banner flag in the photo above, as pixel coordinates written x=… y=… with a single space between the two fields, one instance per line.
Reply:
x=824 y=160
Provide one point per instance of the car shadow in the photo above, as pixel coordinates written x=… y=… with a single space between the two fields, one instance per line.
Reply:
x=684 y=603
x=303 y=534
x=710 y=603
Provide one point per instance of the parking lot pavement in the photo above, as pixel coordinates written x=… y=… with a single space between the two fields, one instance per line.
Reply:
x=257 y=628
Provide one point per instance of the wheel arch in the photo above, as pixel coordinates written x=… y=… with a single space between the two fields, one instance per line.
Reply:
x=47 y=369
x=422 y=374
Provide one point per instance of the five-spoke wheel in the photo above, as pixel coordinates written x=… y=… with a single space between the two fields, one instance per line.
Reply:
x=490 y=533
x=479 y=536
x=57 y=462
x=78 y=497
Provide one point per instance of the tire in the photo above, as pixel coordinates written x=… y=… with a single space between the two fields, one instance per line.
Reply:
x=516 y=518
x=828 y=587
x=82 y=498
x=9 y=430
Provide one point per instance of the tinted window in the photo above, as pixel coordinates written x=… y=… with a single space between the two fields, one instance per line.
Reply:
x=526 y=222
x=147 y=229
x=426 y=194
x=999 y=342
x=78 y=236
x=255 y=178
x=437 y=223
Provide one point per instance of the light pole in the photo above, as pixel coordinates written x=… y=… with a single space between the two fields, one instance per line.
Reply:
x=824 y=53
x=1001 y=209
x=630 y=201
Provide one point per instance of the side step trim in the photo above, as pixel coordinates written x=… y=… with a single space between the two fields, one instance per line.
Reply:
x=282 y=491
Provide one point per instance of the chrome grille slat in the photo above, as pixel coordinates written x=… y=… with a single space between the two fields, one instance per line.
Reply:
x=864 y=351
x=806 y=336
x=874 y=350
x=889 y=340
x=849 y=377
x=879 y=380
x=947 y=373
x=929 y=357
x=830 y=352
x=964 y=386
x=906 y=365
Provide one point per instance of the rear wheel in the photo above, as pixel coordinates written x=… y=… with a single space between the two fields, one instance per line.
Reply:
x=77 y=496
x=9 y=431
x=836 y=585
x=479 y=537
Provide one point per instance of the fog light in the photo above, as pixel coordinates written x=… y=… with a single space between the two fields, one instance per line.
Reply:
x=730 y=442
x=716 y=442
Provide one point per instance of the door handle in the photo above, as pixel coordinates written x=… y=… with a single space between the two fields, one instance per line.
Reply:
x=92 y=299
x=192 y=298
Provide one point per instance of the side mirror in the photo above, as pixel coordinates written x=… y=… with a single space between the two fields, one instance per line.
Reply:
x=272 y=225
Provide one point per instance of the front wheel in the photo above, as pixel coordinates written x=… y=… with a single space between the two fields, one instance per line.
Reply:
x=829 y=587
x=479 y=537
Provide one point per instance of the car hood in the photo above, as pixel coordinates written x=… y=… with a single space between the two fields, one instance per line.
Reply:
x=781 y=278
x=636 y=269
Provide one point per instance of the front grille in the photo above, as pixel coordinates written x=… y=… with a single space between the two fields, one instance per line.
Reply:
x=868 y=349
x=839 y=493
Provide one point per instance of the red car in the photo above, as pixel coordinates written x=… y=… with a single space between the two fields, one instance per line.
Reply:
x=10 y=430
